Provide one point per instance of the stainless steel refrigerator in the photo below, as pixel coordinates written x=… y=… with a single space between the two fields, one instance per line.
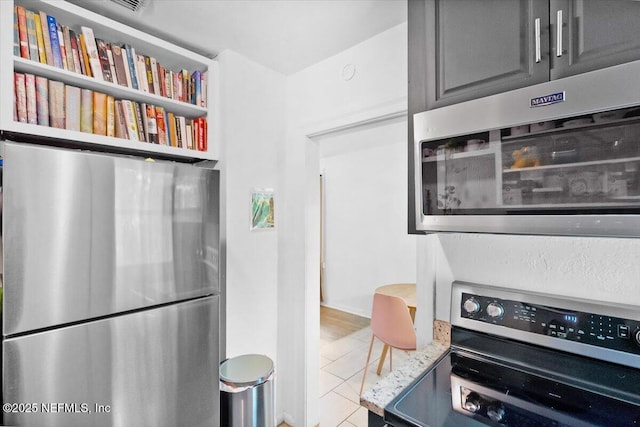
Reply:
x=111 y=290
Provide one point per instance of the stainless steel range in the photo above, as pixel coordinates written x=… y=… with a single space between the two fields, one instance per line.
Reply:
x=528 y=359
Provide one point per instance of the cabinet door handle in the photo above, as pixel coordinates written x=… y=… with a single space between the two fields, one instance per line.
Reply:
x=559 y=34
x=537 y=30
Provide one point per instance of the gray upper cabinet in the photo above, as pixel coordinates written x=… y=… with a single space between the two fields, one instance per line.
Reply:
x=484 y=47
x=594 y=34
x=479 y=48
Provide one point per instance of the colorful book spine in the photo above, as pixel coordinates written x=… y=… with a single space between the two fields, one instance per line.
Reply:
x=21 y=97
x=101 y=45
x=32 y=37
x=155 y=75
x=16 y=32
x=30 y=89
x=55 y=43
x=130 y=120
x=142 y=74
x=99 y=113
x=86 y=110
x=120 y=125
x=149 y=74
x=160 y=123
x=118 y=61
x=92 y=52
x=204 y=83
x=42 y=52
x=22 y=32
x=63 y=48
x=152 y=125
x=197 y=93
x=66 y=35
x=46 y=38
x=171 y=129
x=85 y=55
x=72 y=107
x=189 y=129
x=75 y=52
x=111 y=116
x=139 y=120
x=127 y=67
x=131 y=61
x=42 y=100
x=112 y=64
x=182 y=130
x=56 y=104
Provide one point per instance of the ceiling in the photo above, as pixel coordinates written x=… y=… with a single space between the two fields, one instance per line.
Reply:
x=284 y=35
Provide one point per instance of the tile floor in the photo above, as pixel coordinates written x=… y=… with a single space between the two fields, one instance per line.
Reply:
x=341 y=368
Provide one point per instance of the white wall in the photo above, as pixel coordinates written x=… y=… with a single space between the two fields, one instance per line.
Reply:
x=318 y=99
x=252 y=127
x=600 y=269
x=365 y=213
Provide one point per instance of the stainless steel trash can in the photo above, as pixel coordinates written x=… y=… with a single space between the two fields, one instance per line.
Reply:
x=246 y=392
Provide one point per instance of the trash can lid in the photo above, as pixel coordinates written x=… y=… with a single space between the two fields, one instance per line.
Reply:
x=246 y=370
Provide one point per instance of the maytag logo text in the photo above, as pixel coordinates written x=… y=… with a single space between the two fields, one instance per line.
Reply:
x=541 y=101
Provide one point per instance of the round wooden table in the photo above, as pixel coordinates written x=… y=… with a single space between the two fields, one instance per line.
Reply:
x=406 y=291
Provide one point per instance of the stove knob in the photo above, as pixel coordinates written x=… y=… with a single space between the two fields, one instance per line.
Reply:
x=471 y=306
x=495 y=310
x=637 y=336
x=472 y=403
x=496 y=412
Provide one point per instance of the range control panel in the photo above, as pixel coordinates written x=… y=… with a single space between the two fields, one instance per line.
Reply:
x=565 y=324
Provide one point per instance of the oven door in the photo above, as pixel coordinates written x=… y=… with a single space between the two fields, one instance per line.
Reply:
x=561 y=157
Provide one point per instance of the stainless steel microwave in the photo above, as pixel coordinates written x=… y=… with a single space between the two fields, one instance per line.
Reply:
x=557 y=158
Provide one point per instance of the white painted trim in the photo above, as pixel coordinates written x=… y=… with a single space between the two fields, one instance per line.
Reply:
x=348 y=309
x=384 y=111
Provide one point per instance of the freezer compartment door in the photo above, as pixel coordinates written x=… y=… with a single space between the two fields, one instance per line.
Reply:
x=157 y=367
x=88 y=234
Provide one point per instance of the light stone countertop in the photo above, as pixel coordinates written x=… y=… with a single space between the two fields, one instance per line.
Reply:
x=379 y=396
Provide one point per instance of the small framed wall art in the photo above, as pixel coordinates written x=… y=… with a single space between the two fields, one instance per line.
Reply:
x=262 y=209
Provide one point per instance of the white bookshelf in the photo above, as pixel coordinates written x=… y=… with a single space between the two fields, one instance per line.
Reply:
x=169 y=55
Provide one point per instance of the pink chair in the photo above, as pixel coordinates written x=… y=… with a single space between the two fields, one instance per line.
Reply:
x=391 y=323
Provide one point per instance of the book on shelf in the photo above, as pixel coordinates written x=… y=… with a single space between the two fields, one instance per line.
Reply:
x=85 y=55
x=66 y=35
x=172 y=133
x=131 y=62
x=197 y=92
x=148 y=74
x=63 y=48
x=20 y=96
x=42 y=52
x=72 y=107
x=16 y=32
x=177 y=86
x=99 y=113
x=140 y=122
x=152 y=125
x=111 y=116
x=55 y=43
x=182 y=131
x=162 y=80
x=189 y=130
x=31 y=37
x=42 y=100
x=86 y=110
x=162 y=128
x=155 y=75
x=141 y=73
x=75 y=52
x=204 y=83
x=200 y=133
x=56 y=104
x=131 y=122
x=22 y=31
x=179 y=140
x=92 y=52
x=30 y=89
x=112 y=65
x=46 y=38
x=119 y=63
x=120 y=124
x=101 y=45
